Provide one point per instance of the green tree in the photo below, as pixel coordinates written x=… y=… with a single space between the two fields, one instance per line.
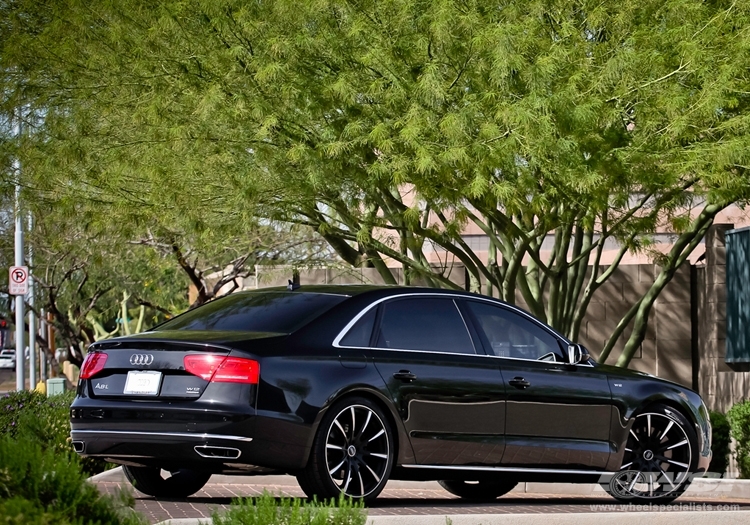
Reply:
x=387 y=127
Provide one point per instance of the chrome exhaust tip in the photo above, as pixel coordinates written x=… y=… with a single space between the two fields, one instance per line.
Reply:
x=79 y=446
x=213 y=452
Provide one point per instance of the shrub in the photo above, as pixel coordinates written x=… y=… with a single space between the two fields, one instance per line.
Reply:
x=739 y=423
x=34 y=416
x=719 y=442
x=267 y=510
x=40 y=486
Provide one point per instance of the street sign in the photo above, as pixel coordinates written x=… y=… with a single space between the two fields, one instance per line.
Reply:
x=18 y=280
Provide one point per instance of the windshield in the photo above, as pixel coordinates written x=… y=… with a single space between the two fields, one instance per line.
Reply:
x=280 y=312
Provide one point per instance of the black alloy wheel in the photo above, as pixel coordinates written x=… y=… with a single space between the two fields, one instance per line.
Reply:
x=352 y=453
x=659 y=460
x=478 y=490
x=181 y=484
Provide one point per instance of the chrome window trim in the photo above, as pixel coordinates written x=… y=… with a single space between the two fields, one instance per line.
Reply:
x=350 y=324
x=160 y=434
x=509 y=469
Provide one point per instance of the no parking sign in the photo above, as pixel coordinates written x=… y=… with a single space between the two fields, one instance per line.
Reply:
x=18 y=280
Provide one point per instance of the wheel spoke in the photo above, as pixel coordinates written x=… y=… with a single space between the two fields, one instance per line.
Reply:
x=376 y=436
x=361 y=483
x=374 y=475
x=671 y=461
x=354 y=419
x=648 y=425
x=632 y=483
x=650 y=484
x=667 y=477
x=381 y=456
x=335 y=447
x=635 y=436
x=367 y=421
x=683 y=442
x=683 y=465
x=348 y=479
x=334 y=469
x=664 y=434
x=626 y=465
x=336 y=421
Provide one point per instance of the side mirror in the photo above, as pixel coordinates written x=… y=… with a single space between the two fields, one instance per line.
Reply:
x=576 y=354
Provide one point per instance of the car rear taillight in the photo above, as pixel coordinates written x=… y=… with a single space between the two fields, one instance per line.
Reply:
x=93 y=364
x=219 y=369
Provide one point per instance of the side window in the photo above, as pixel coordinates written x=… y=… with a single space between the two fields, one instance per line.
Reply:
x=359 y=334
x=432 y=324
x=511 y=335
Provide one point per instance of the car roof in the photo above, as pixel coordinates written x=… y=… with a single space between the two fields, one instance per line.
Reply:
x=351 y=290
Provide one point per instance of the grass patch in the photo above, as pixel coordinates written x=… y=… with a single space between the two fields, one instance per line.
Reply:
x=269 y=510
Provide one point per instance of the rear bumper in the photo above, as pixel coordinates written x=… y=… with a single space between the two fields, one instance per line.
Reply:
x=220 y=440
x=199 y=451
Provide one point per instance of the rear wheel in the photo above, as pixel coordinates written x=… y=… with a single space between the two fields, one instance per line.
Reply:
x=181 y=484
x=660 y=457
x=478 y=490
x=352 y=453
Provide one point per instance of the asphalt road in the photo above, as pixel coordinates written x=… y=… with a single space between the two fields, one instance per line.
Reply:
x=7 y=380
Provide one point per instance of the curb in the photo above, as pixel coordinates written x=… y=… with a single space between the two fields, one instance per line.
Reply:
x=113 y=474
x=666 y=517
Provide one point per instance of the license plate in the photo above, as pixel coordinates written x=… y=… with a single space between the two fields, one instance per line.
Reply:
x=142 y=382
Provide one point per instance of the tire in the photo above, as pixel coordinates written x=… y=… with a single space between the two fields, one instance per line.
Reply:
x=352 y=453
x=181 y=484
x=478 y=490
x=661 y=455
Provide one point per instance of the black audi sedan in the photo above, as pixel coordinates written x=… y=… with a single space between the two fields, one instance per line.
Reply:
x=346 y=387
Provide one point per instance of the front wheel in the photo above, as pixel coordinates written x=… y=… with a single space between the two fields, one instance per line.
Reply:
x=352 y=453
x=478 y=490
x=660 y=458
x=181 y=484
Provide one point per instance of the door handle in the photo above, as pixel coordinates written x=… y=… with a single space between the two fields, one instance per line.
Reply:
x=519 y=382
x=405 y=376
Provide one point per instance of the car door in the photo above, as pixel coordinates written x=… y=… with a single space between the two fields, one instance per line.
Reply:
x=557 y=415
x=450 y=398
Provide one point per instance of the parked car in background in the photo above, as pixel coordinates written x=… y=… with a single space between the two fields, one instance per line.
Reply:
x=8 y=358
x=346 y=387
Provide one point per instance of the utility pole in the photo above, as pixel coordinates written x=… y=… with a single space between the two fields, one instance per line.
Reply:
x=32 y=317
x=42 y=354
x=20 y=347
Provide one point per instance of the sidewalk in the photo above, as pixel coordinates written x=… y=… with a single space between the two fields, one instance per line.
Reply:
x=614 y=518
x=426 y=503
x=712 y=488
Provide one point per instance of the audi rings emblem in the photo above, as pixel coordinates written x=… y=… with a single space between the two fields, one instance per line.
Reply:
x=141 y=359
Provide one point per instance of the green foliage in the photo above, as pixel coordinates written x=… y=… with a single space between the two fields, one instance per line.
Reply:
x=389 y=127
x=33 y=417
x=739 y=423
x=719 y=442
x=41 y=486
x=268 y=510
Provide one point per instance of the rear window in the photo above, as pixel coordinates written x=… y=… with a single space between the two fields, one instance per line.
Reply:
x=280 y=312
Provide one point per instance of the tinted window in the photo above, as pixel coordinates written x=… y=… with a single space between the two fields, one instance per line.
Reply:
x=360 y=333
x=511 y=335
x=424 y=324
x=282 y=312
